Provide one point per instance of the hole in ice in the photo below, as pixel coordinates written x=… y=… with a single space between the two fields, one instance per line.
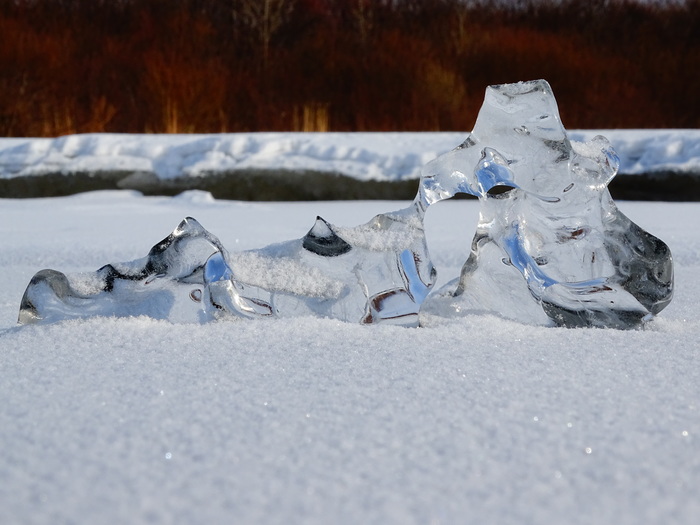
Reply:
x=500 y=191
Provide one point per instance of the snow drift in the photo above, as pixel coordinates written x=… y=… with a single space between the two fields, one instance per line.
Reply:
x=308 y=166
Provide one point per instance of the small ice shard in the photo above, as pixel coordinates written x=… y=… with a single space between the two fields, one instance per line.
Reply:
x=322 y=240
x=379 y=272
x=550 y=247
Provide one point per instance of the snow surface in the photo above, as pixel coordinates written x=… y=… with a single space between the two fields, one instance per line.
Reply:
x=364 y=156
x=476 y=420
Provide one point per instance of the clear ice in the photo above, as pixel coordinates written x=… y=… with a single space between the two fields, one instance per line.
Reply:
x=379 y=272
x=550 y=246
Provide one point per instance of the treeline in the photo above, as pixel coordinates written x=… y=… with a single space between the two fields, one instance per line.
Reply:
x=162 y=66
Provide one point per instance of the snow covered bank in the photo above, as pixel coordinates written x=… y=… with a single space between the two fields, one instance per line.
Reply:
x=648 y=151
x=477 y=420
x=227 y=164
x=364 y=156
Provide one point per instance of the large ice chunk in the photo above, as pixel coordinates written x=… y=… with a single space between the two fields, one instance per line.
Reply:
x=177 y=280
x=376 y=272
x=550 y=247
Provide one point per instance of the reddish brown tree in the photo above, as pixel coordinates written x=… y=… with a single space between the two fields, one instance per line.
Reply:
x=73 y=66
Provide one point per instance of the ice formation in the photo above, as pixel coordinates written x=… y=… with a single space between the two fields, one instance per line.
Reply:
x=376 y=272
x=551 y=246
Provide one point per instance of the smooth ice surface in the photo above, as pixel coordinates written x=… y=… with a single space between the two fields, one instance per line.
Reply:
x=550 y=245
x=379 y=272
x=310 y=420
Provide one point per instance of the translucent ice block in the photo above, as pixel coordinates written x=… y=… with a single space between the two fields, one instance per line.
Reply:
x=379 y=272
x=174 y=281
x=550 y=247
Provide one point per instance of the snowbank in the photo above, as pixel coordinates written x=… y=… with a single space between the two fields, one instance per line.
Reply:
x=646 y=151
x=362 y=156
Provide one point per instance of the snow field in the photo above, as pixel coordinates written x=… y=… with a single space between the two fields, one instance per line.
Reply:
x=475 y=420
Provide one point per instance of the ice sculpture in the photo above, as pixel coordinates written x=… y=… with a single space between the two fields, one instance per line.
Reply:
x=376 y=272
x=550 y=247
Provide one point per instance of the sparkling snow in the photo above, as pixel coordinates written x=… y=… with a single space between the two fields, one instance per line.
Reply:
x=476 y=420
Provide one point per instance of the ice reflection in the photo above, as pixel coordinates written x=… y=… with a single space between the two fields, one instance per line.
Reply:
x=553 y=247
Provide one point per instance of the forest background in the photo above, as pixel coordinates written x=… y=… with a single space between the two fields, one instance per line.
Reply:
x=204 y=66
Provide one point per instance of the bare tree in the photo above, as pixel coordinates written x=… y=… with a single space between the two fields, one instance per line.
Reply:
x=364 y=18
x=264 y=18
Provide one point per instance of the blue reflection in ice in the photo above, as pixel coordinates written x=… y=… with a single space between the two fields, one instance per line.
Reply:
x=552 y=248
